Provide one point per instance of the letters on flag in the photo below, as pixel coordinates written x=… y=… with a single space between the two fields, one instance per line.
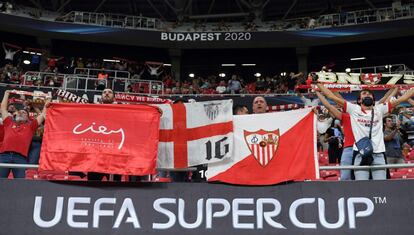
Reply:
x=270 y=148
x=195 y=133
x=138 y=99
x=116 y=139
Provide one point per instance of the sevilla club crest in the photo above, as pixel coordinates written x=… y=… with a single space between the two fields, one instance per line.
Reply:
x=262 y=144
x=212 y=110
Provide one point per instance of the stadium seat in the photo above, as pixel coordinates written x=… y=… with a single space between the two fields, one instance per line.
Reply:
x=330 y=175
x=332 y=178
x=49 y=175
x=31 y=174
x=65 y=177
x=396 y=175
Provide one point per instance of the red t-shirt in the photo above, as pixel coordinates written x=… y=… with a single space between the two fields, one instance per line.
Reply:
x=52 y=62
x=1 y=135
x=17 y=138
x=349 y=135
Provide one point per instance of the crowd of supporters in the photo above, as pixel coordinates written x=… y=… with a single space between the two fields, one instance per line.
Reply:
x=13 y=73
x=398 y=127
x=330 y=17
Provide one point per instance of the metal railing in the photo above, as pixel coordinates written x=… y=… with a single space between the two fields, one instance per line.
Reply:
x=375 y=167
x=146 y=23
x=95 y=72
x=352 y=18
x=43 y=79
x=89 y=82
x=389 y=68
x=112 y=20
x=321 y=168
x=138 y=86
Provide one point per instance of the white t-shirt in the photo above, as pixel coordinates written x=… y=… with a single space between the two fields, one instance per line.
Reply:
x=360 y=120
x=9 y=54
x=221 y=89
x=323 y=126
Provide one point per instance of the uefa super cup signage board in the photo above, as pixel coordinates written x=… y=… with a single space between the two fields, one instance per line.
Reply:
x=201 y=208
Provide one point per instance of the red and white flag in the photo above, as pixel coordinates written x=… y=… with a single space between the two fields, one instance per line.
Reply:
x=195 y=133
x=270 y=148
x=115 y=139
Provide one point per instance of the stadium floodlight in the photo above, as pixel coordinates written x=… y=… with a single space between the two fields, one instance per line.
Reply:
x=222 y=75
x=228 y=65
x=358 y=58
x=388 y=66
x=191 y=75
x=110 y=60
x=26 y=52
x=248 y=64
x=348 y=70
x=38 y=53
x=283 y=74
x=167 y=65
x=26 y=61
x=257 y=75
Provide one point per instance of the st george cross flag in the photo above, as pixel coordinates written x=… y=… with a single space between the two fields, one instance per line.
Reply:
x=195 y=133
x=270 y=148
x=106 y=138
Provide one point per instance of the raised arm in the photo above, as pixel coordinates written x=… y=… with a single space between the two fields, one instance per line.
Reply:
x=390 y=93
x=338 y=95
x=411 y=102
x=3 y=107
x=335 y=112
x=330 y=95
x=403 y=98
x=391 y=135
x=41 y=117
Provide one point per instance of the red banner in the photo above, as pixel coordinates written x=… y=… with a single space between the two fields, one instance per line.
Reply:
x=269 y=149
x=115 y=139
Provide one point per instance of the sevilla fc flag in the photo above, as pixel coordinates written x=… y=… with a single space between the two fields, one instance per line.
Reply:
x=270 y=148
x=106 y=138
x=195 y=133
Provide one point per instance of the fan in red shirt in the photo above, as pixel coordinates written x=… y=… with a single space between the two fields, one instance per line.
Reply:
x=18 y=133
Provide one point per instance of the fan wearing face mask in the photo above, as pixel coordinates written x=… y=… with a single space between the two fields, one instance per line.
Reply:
x=361 y=115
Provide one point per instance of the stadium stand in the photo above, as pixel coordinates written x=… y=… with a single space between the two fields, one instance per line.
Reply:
x=191 y=51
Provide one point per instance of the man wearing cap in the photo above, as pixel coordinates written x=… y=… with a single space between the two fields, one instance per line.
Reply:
x=18 y=133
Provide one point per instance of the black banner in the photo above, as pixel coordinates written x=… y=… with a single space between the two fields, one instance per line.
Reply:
x=194 y=40
x=365 y=207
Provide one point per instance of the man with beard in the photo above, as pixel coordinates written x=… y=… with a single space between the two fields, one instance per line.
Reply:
x=18 y=133
x=108 y=97
x=259 y=105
